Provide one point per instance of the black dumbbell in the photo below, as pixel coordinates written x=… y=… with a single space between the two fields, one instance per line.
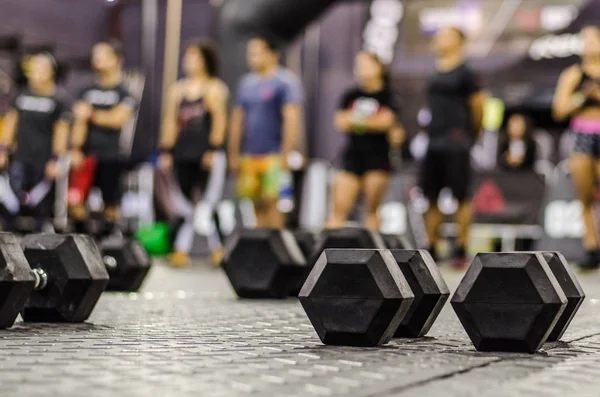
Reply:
x=127 y=263
x=49 y=278
x=356 y=297
x=264 y=263
x=429 y=288
x=363 y=297
x=347 y=238
x=396 y=242
x=516 y=301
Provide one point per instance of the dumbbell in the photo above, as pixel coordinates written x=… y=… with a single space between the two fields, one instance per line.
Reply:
x=516 y=301
x=49 y=278
x=364 y=297
x=127 y=263
x=264 y=263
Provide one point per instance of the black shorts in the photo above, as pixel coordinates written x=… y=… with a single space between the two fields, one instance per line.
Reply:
x=23 y=178
x=190 y=175
x=359 y=161
x=107 y=178
x=446 y=168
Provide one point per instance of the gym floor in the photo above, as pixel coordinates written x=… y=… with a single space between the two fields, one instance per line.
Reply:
x=186 y=334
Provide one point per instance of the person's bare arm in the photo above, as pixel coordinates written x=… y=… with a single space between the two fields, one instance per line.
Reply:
x=81 y=113
x=168 y=133
x=292 y=127
x=114 y=118
x=236 y=131
x=381 y=122
x=343 y=120
x=60 y=139
x=216 y=102
x=9 y=128
x=564 y=104
x=476 y=104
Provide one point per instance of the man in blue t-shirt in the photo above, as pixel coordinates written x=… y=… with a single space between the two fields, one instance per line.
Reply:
x=265 y=126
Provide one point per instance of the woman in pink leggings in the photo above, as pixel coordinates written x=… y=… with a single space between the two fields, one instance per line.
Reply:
x=578 y=97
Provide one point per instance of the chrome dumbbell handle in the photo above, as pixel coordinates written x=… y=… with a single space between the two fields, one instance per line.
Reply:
x=41 y=278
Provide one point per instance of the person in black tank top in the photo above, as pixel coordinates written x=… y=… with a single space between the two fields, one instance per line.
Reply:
x=578 y=97
x=191 y=144
x=38 y=125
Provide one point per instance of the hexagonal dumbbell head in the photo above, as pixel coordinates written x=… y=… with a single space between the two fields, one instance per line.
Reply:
x=356 y=297
x=127 y=263
x=429 y=288
x=72 y=276
x=396 y=242
x=264 y=263
x=573 y=291
x=509 y=301
x=347 y=237
x=306 y=242
x=16 y=279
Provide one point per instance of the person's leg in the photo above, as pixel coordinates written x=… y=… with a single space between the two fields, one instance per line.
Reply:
x=345 y=189
x=582 y=175
x=375 y=184
x=248 y=184
x=432 y=181
x=108 y=180
x=184 y=234
x=458 y=165
x=267 y=213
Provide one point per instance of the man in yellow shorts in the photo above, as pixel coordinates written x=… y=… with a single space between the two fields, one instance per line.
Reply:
x=265 y=126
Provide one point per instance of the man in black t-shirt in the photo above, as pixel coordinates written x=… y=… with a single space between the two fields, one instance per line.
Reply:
x=37 y=123
x=101 y=111
x=456 y=103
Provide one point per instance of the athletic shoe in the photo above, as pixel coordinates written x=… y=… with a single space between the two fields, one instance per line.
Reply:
x=459 y=259
x=216 y=257
x=591 y=261
x=180 y=260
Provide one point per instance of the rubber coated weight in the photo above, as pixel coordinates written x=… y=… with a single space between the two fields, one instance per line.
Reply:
x=306 y=242
x=127 y=263
x=396 y=242
x=16 y=279
x=429 y=288
x=264 y=263
x=348 y=237
x=356 y=297
x=509 y=301
x=76 y=277
x=573 y=291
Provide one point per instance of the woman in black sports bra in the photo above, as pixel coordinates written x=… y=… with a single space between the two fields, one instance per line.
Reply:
x=192 y=140
x=578 y=97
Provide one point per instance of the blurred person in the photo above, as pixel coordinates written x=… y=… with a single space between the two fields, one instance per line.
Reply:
x=517 y=150
x=37 y=123
x=578 y=97
x=266 y=124
x=100 y=112
x=192 y=140
x=367 y=115
x=456 y=102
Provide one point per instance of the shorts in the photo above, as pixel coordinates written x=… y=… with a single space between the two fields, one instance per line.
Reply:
x=24 y=178
x=446 y=168
x=190 y=175
x=586 y=143
x=107 y=178
x=259 y=177
x=359 y=161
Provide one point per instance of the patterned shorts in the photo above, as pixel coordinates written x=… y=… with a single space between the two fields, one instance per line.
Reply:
x=586 y=143
x=259 y=177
